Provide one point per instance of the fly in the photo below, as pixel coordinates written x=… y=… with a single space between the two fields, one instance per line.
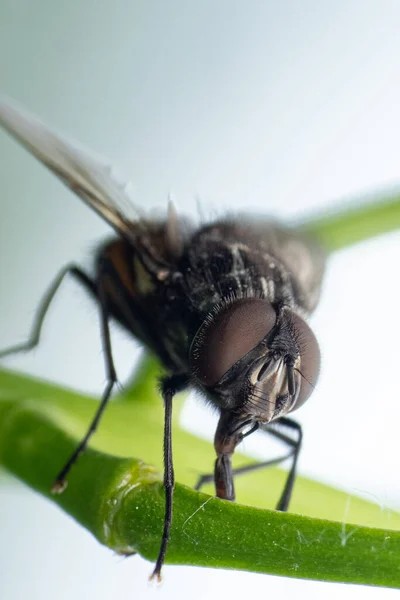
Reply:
x=223 y=306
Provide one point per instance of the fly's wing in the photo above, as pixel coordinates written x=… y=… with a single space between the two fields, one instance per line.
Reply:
x=90 y=177
x=303 y=257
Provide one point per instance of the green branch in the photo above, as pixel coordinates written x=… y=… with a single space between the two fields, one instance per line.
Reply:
x=356 y=222
x=121 y=499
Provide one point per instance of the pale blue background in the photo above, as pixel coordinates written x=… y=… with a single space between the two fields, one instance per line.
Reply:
x=274 y=107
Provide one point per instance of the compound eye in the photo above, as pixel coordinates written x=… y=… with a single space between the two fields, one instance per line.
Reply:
x=310 y=359
x=234 y=332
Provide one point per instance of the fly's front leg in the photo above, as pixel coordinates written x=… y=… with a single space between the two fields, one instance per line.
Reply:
x=169 y=387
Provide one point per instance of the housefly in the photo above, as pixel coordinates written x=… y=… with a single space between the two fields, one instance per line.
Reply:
x=223 y=306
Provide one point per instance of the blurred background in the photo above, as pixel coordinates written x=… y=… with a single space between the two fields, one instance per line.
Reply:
x=283 y=109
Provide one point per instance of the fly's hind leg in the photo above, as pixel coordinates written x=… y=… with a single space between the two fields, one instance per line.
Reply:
x=98 y=293
x=104 y=273
x=44 y=305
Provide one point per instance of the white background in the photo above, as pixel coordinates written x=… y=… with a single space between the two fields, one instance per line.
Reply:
x=281 y=108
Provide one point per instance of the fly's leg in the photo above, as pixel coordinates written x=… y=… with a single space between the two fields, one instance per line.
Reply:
x=209 y=477
x=97 y=291
x=284 y=500
x=44 y=305
x=169 y=387
x=111 y=376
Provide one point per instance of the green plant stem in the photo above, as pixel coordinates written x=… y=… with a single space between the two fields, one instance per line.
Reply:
x=356 y=222
x=121 y=500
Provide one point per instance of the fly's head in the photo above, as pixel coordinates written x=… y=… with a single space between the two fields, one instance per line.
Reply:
x=256 y=360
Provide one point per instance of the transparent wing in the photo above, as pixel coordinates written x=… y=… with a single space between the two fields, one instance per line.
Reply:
x=89 y=176
x=301 y=254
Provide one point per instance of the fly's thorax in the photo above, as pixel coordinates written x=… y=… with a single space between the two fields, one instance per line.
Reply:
x=254 y=257
x=255 y=359
x=216 y=268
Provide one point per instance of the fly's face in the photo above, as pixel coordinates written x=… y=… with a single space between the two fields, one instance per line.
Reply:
x=256 y=360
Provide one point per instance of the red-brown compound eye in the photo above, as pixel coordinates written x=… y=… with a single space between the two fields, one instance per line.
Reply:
x=310 y=359
x=229 y=337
